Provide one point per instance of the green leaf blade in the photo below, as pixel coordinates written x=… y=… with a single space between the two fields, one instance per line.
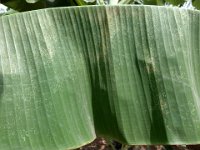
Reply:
x=129 y=73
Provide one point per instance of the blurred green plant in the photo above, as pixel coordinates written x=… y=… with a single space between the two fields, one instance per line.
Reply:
x=26 y=5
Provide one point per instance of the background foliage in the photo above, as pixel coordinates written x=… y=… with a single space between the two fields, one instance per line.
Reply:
x=26 y=5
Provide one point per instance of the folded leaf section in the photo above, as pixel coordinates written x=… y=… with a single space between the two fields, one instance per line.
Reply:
x=130 y=73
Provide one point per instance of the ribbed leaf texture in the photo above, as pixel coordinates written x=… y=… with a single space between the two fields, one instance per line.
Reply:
x=130 y=73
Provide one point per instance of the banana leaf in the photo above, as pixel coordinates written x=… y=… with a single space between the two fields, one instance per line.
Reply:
x=128 y=73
